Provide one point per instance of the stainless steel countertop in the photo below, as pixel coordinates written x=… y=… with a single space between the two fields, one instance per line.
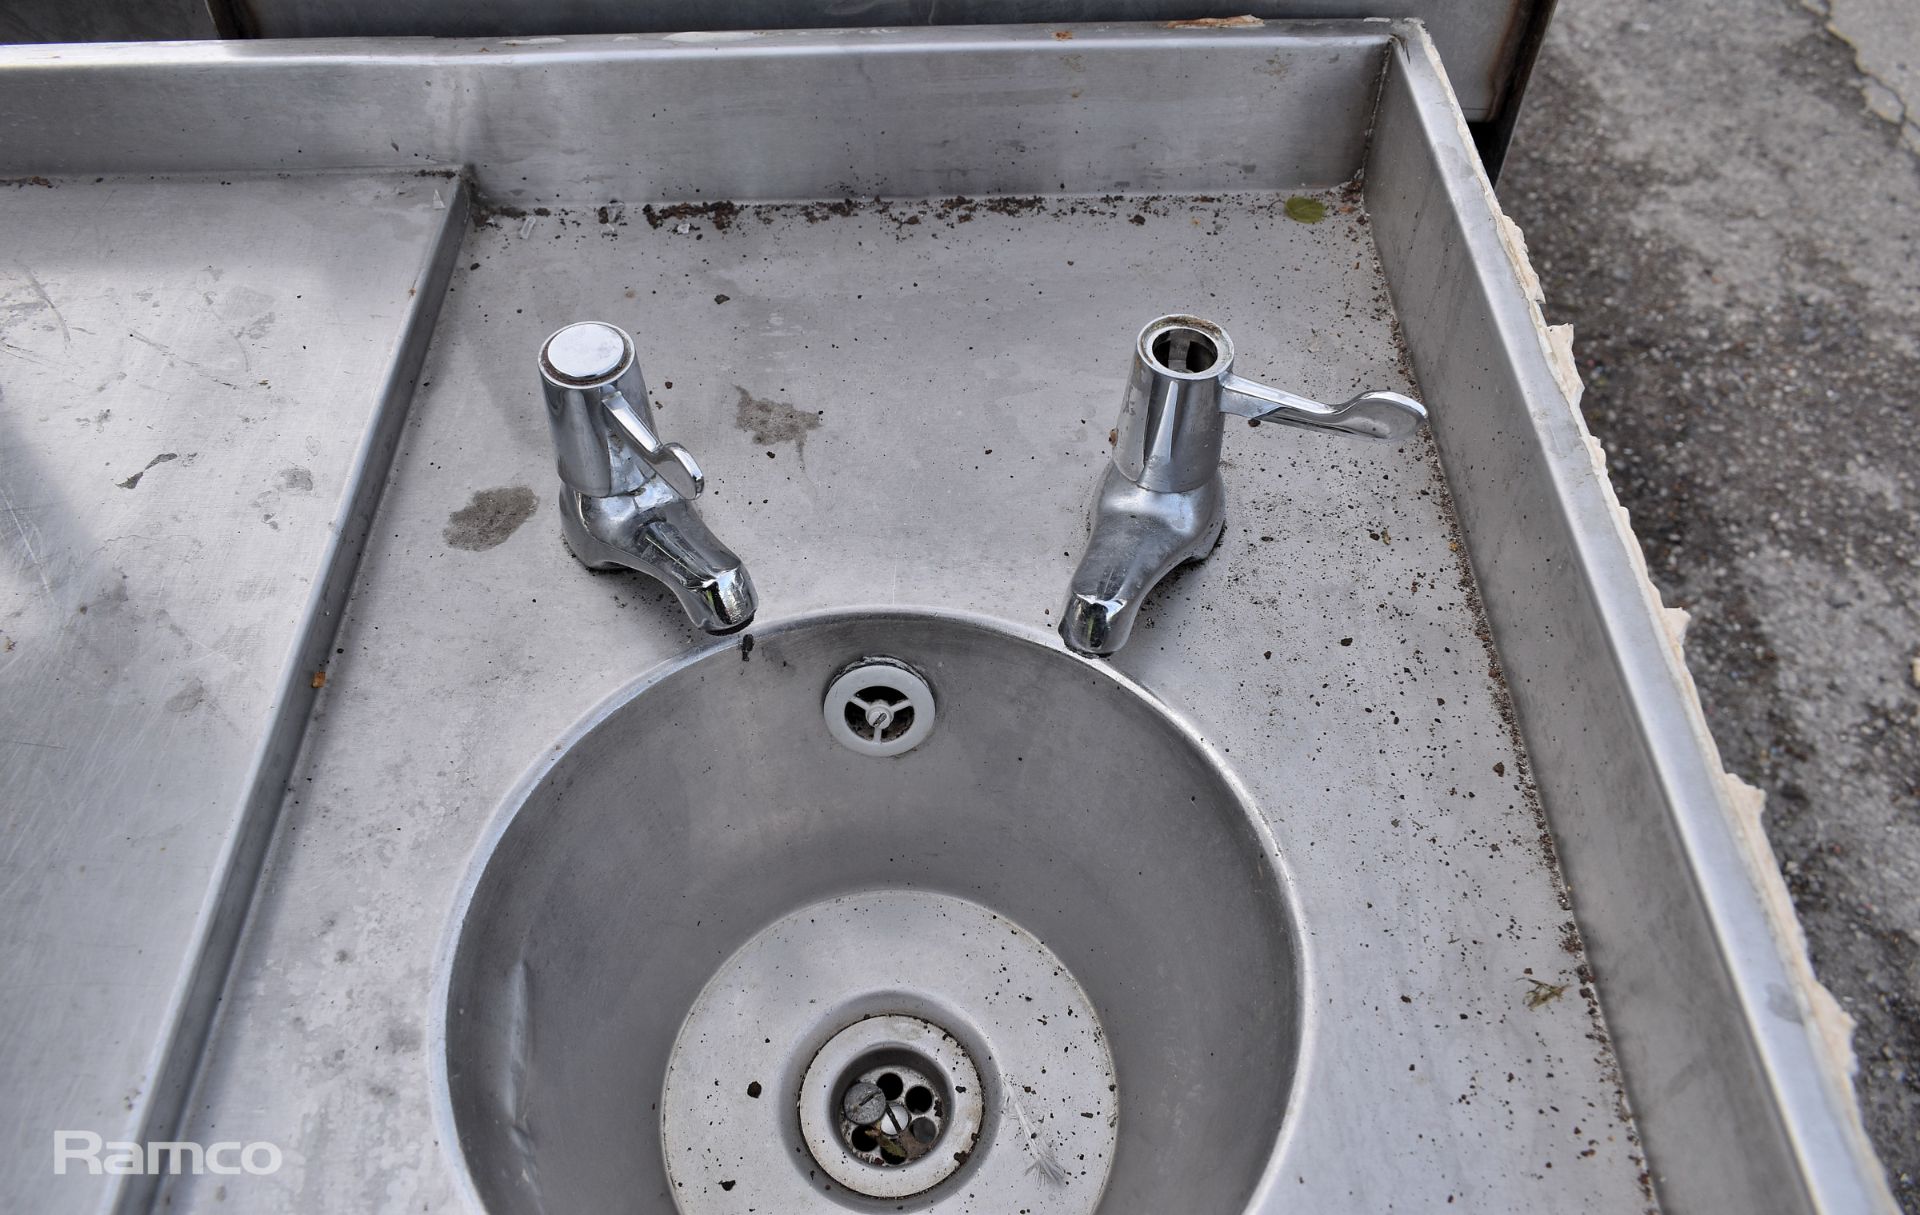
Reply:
x=458 y=682
x=864 y=384
x=190 y=371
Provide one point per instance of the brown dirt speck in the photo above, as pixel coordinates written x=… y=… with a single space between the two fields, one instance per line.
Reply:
x=720 y=214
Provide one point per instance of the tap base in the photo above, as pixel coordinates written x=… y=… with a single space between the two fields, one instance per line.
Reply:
x=1136 y=538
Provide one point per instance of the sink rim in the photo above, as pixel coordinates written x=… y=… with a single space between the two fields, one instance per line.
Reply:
x=501 y=818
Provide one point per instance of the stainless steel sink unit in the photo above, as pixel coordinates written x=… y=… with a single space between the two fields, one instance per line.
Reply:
x=1161 y=502
x=1390 y=858
x=1062 y=879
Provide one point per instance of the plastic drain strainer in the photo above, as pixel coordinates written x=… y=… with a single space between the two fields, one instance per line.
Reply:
x=879 y=706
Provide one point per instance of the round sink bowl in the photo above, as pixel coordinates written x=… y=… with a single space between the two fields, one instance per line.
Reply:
x=723 y=955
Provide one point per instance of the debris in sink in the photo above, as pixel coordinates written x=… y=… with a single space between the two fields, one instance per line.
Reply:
x=134 y=481
x=1542 y=994
x=720 y=214
x=913 y=218
x=1306 y=210
x=1245 y=21
x=1046 y=1162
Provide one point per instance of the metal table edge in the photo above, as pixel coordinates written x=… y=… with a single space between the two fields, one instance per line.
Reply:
x=1813 y=1091
x=193 y=1007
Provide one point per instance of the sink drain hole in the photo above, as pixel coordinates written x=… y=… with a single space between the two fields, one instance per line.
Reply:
x=891 y=1106
x=889 y=1114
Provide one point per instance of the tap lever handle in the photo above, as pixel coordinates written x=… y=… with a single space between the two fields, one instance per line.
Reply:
x=674 y=463
x=1371 y=415
x=596 y=406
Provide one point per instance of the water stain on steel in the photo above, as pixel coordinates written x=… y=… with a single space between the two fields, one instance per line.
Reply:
x=188 y=698
x=770 y=421
x=490 y=517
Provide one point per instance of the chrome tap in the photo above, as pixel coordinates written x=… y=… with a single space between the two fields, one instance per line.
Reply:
x=1160 y=502
x=626 y=496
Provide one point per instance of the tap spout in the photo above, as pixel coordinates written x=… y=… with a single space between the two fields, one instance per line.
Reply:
x=1136 y=537
x=656 y=532
x=626 y=494
x=1160 y=501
